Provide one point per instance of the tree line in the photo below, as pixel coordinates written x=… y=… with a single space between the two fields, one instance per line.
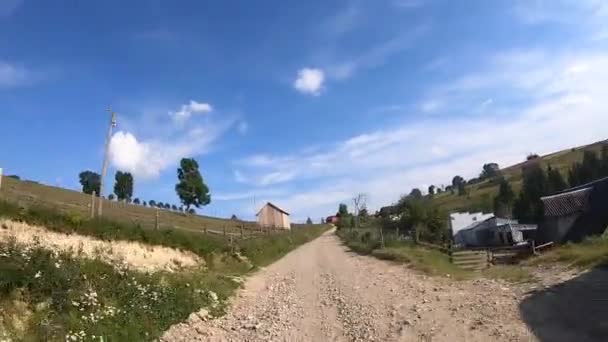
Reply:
x=190 y=188
x=538 y=182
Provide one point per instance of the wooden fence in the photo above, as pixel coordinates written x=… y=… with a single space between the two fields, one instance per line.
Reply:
x=479 y=258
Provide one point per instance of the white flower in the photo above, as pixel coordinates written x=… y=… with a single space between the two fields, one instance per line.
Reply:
x=38 y=275
x=57 y=265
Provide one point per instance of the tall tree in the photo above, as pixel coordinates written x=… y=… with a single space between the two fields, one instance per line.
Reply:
x=123 y=185
x=604 y=156
x=342 y=210
x=490 y=170
x=529 y=208
x=136 y=201
x=111 y=197
x=555 y=181
x=191 y=189
x=586 y=171
x=308 y=221
x=152 y=203
x=144 y=203
x=416 y=193
x=503 y=203
x=90 y=182
x=432 y=190
x=173 y=207
x=459 y=183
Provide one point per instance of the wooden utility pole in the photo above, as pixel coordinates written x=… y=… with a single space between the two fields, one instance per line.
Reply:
x=93 y=204
x=104 y=167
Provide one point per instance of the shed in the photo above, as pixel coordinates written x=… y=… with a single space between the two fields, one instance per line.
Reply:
x=575 y=213
x=494 y=232
x=272 y=216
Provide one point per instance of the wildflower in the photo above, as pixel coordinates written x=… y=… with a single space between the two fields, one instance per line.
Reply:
x=57 y=265
x=38 y=275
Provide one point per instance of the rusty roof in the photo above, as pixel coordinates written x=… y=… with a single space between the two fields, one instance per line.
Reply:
x=567 y=203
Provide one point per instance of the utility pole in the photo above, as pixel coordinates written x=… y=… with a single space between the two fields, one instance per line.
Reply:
x=104 y=167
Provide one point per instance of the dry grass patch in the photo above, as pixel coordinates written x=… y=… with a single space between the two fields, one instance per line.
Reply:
x=135 y=255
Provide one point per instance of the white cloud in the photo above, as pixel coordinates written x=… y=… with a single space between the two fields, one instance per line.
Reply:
x=558 y=95
x=187 y=110
x=13 y=76
x=165 y=143
x=309 y=81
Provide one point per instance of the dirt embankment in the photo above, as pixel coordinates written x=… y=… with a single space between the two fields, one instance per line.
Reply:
x=133 y=255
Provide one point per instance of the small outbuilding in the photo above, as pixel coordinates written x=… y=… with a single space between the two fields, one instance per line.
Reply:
x=573 y=214
x=272 y=216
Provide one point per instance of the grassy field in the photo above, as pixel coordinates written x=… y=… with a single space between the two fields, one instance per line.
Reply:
x=51 y=296
x=480 y=196
x=589 y=253
x=27 y=194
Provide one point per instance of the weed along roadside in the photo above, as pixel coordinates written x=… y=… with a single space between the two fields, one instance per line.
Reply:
x=59 y=295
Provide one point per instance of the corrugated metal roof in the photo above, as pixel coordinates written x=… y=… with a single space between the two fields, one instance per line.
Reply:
x=567 y=203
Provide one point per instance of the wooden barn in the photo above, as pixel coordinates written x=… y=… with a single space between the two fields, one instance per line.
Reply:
x=271 y=216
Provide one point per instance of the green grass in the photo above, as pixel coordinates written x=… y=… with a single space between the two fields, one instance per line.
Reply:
x=47 y=297
x=480 y=196
x=29 y=194
x=429 y=261
x=589 y=253
x=510 y=273
x=39 y=289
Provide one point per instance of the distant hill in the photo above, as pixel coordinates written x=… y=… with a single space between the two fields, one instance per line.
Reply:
x=480 y=196
x=28 y=193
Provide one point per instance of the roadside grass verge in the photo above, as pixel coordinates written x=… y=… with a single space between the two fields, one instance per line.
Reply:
x=586 y=254
x=261 y=249
x=46 y=296
x=57 y=296
x=510 y=273
x=428 y=261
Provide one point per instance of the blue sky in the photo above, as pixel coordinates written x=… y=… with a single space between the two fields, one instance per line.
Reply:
x=304 y=104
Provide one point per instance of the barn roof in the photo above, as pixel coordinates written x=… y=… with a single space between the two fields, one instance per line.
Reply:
x=273 y=206
x=567 y=203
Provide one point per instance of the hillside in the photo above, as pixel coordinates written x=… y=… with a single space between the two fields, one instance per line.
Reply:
x=480 y=196
x=27 y=194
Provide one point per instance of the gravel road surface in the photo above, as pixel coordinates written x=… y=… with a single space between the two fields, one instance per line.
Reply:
x=323 y=292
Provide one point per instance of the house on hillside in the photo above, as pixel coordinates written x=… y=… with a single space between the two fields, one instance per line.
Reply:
x=575 y=213
x=495 y=232
x=272 y=216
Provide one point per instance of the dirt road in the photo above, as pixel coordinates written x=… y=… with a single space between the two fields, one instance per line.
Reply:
x=323 y=292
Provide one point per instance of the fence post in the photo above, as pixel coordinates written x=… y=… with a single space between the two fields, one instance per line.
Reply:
x=224 y=228
x=205 y=229
x=93 y=204
x=156 y=223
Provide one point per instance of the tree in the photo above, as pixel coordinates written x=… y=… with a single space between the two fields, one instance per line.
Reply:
x=160 y=205
x=191 y=188
x=555 y=181
x=173 y=207
x=589 y=170
x=490 y=170
x=145 y=204
x=503 y=203
x=604 y=156
x=342 y=210
x=234 y=218
x=136 y=200
x=360 y=202
x=363 y=213
x=458 y=183
x=416 y=193
x=529 y=208
x=152 y=203
x=167 y=206
x=111 y=197
x=123 y=185
x=191 y=211
x=181 y=209
x=90 y=181
x=432 y=190
x=309 y=221
x=532 y=156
